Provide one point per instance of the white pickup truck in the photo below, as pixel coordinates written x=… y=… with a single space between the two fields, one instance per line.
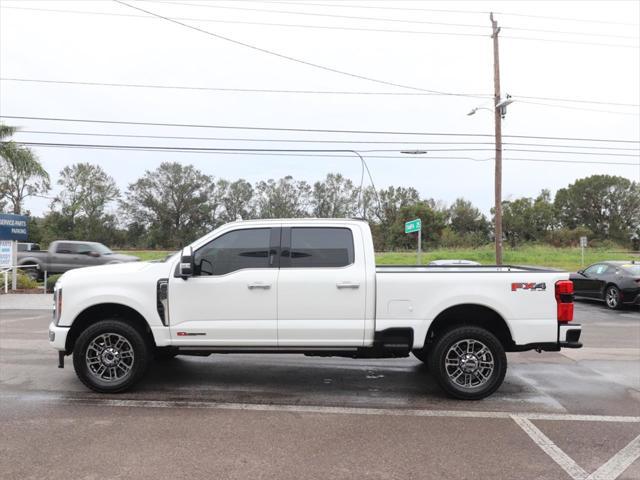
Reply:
x=307 y=286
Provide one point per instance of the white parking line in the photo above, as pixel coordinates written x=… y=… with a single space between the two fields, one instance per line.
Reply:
x=575 y=471
x=139 y=403
x=610 y=470
x=619 y=462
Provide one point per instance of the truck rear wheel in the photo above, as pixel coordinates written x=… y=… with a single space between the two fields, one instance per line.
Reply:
x=468 y=362
x=110 y=356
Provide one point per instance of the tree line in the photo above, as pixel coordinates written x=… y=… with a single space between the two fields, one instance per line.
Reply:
x=174 y=204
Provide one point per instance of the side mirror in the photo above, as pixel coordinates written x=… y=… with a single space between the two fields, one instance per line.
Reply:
x=185 y=267
x=93 y=254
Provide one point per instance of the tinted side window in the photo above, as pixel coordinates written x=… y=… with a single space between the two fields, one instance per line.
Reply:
x=82 y=248
x=247 y=248
x=595 y=269
x=321 y=247
x=64 y=248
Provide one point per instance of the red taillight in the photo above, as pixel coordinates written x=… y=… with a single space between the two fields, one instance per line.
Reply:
x=564 y=299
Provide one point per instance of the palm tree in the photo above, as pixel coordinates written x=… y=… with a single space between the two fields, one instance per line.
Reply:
x=6 y=146
x=21 y=173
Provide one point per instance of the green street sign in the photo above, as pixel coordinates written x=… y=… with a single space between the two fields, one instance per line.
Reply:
x=413 y=226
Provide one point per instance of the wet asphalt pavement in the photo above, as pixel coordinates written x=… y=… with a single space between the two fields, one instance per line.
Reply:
x=557 y=416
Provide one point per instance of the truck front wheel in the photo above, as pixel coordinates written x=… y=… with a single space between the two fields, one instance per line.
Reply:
x=468 y=362
x=110 y=356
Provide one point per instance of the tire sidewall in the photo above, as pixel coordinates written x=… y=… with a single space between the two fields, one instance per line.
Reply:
x=437 y=362
x=606 y=295
x=133 y=336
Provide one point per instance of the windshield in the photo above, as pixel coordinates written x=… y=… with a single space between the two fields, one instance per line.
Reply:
x=101 y=249
x=632 y=269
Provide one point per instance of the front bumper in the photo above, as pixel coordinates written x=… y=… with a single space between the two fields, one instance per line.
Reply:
x=58 y=337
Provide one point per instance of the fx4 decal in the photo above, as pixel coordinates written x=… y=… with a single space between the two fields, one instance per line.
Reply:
x=534 y=287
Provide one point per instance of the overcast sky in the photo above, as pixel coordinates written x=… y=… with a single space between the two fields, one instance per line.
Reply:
x=134 y=48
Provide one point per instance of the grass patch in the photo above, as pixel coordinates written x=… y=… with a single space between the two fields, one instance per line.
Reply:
x=540 y=255
x=146 y=255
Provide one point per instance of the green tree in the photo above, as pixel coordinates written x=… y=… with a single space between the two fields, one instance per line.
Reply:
x=468 y=223
x=607 y=205
x=284 y=198
x=21 y=176
x=392 y=201
x=334 y=197
x=87 y=191
x=527 y=219
x=235 y=200
x=171 y=204
x=433 y=223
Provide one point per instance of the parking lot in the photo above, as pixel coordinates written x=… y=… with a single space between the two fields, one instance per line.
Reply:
x=568 y=415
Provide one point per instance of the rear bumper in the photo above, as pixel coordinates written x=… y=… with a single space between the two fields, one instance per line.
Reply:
x=631 y=297
x=568 y=337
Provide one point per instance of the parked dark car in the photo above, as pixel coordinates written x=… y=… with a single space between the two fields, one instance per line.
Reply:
x=616 y=283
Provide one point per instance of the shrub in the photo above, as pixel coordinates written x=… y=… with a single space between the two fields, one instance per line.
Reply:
x=24 y=282
x=51 y=282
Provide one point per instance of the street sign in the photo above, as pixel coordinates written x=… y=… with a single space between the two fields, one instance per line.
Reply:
x=583 y=245
x=413 y=226
x=13 y=227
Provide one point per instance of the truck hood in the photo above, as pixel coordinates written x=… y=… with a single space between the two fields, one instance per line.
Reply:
x=120 y=257
x=119 y=272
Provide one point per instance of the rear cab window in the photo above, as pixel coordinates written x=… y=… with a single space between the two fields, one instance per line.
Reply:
x=317 y=247
x=65 y=248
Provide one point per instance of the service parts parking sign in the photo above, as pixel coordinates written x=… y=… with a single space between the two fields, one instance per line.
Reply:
x=14 y=227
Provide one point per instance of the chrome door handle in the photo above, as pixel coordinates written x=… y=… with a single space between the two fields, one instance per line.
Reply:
x=347 y=285
x=253 y=285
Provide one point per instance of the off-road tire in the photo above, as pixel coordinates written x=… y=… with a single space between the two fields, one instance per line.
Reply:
x=441 y=348
x=117 y=327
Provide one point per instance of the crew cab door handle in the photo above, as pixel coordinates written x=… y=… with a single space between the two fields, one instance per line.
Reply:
x=254 y=285
x=347 y=285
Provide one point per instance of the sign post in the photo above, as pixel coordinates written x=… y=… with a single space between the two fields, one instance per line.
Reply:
x=413 y=226
x=583 y=244
x=12 y=228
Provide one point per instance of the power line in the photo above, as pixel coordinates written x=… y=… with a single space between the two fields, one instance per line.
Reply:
x=483 y=12
x=328 y=15
x=223 y=89
x=285 y=140
x=285 y=57
x=321 y=92
x=240 y=22
x=287 y=152
x=569 y=107
x=363 y=29
x=315 y=130
x=396 y=20
x=576 y=100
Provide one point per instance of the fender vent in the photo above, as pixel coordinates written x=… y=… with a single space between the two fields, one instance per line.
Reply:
x=162 y=300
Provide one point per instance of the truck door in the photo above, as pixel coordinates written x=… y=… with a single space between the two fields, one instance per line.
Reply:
x=321 y=288
x=231 y=298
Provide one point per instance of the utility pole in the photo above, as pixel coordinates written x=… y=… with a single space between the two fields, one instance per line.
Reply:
x=498 y=140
